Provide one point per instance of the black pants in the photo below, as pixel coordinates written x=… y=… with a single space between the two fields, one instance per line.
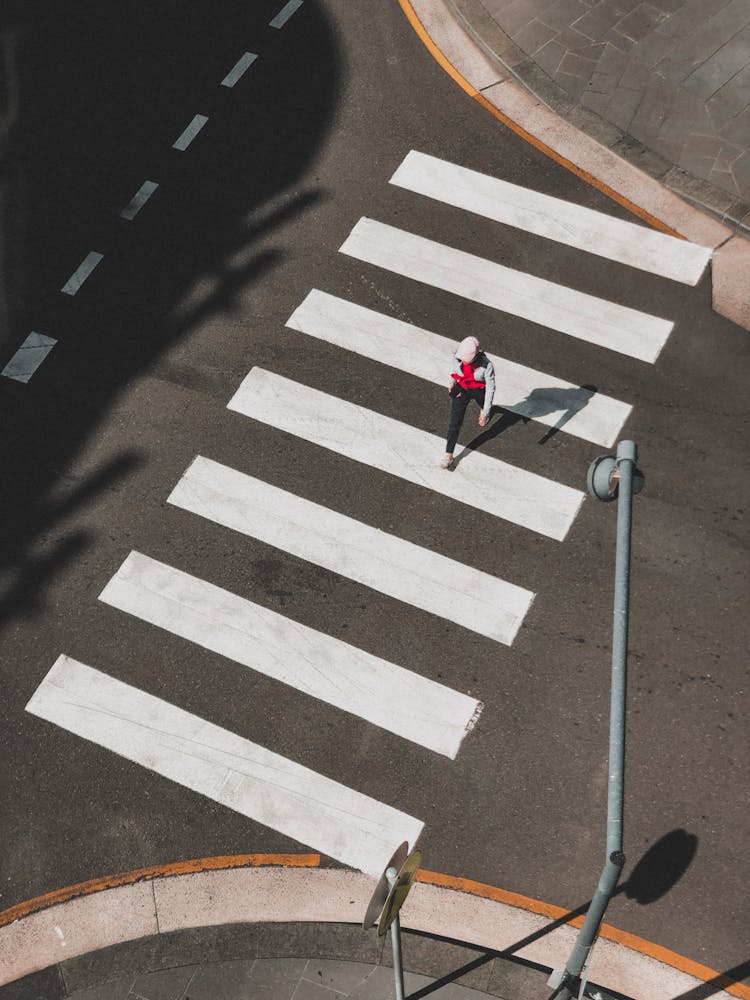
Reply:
x=459 y=402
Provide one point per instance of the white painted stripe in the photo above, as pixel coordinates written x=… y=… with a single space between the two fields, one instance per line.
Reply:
x=404 y=703
x=190 y=132
x=28 y=357
x=138 y=200
x=285 y=13
x=238 y=70
x=587 y=317
x=372 y=557
x=74 y=282
x=553 y=218
x=243 y=776
x=405 y=451
x=545 y=398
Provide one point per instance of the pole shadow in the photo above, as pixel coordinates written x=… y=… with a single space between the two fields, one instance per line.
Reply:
x=654 y=875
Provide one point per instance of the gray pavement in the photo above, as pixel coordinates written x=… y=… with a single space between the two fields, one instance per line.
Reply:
x=665 y=83
x=282 y=962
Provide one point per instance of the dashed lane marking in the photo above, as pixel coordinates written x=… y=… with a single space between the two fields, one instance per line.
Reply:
x=374 y=558
x=28 y=357
x=73 y=285
x=587 y=317
x=553 y=218
x=285 y=13
x=404 y=703
x=190 y=132
x=561 y=405
x=138 y=200
x=239 y=69
x=402 y=450
x=264 y=786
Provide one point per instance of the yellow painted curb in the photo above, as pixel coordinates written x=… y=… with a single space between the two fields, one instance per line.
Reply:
x=472 y=91
x=632 y=941
x=48 y=899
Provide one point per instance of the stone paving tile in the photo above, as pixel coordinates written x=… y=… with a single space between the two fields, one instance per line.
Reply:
x=668 y=6
x=533 y=36
x=510 y=16
x=47 y=984
x=575 y=65
x=448 y=963
x=620 y=41
x=313 y=991
x=347 y=942
x=598 y=21
x=732 y=99
x=738 y=130
x=550 y=56
x=622 y=107
x=561 y=14
x=341 y=977
x=640 y=22
x=115 y=989
x=513 y=981
x=225 y=981
x=111 y=963
x=166 y=984
x=573 y=40
x=721 y=68
x=575 y=85
x=740 y=170
x=227 y=942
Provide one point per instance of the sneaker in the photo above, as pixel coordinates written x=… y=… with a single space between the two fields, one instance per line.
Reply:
x=446 y=461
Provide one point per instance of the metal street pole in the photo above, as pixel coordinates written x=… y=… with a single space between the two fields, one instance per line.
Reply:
x=398 y=968
x=609 y=477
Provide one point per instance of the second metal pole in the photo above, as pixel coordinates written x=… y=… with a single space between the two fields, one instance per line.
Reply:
x=615 y=860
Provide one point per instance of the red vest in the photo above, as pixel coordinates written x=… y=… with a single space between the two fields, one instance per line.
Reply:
x=466 y=379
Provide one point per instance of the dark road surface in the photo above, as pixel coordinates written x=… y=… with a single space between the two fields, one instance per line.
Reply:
x=196 y=291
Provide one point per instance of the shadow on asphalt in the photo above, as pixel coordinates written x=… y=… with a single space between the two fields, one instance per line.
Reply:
x=538 y=403
x=94 y=95
x=654 y=875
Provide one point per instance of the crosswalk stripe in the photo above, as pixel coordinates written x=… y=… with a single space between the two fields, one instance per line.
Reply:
x=550 y=400
x=597 y=321
x=404 y=703
x=405 y=451
x=388 y=564
x=264 y=786
x=553 y=218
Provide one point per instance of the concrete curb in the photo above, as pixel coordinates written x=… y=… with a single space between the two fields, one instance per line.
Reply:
x=496 y=88
x=162 y=901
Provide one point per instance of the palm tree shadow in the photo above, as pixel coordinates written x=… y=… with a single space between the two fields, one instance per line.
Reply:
x=216 y=227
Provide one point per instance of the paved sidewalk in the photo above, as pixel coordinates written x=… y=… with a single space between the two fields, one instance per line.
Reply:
x=337 y=962
x=664 y=83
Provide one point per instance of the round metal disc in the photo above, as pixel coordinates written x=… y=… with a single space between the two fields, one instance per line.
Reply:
x=399 y=891
x=599 y=478
x=377 y=902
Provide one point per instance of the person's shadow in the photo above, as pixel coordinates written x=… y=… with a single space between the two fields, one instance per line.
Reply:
x=539 y=403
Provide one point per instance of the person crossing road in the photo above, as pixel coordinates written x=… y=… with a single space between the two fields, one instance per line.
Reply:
x=472 y=377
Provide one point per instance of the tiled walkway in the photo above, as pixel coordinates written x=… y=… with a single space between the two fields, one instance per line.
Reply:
x=674 y=75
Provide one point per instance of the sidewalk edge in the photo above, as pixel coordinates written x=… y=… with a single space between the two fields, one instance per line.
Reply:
x=440 y=27
x=216 y=891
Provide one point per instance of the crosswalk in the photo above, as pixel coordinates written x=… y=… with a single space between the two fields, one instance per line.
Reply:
x=253 y=780
x=552 y=401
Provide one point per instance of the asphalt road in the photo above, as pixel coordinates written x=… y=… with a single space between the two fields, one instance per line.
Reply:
x=193 y=294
